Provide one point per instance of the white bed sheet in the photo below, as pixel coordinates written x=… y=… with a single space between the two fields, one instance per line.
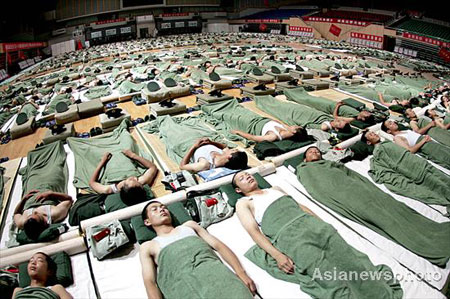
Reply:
x=119 y=277
x=410 y=260
x=83 y=286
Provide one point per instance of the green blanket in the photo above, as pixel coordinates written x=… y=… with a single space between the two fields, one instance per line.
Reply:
x=409 y=175
x=436 y=152
x=36 y=292
x=180 y=133
x=29 y=110
x=291 y=113
x=98 y=92
x=300 y=96
x=316 y=248
x=89 y=152
x=189 y=268
x=4 y=117
x=51 y=107
x=127 y=87
x=229 y=115
x=341 y=189
x=438 y=134
x=46 y=170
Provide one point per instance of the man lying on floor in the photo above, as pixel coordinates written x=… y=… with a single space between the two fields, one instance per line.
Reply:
x=129 y=188
x=232 y=117
x=44 y=184
x=431 y=124
x=337 y=109
x=195 y=146
x=180 y=262
x=295 y=114
x=126 y=167
x=42 y=272
x=406 y=174
x=340 y=189
x=416 y=143
x=299 y=244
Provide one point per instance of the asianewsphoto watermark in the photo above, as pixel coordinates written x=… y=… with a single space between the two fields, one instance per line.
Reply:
x=374 y=275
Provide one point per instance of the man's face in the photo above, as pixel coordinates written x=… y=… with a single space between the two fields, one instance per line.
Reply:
x=391 y=125
x=338 y=124
x=372 y=137
x=245 y=182
x=157 y=213
x=410 y=113
x=432 y=113
x=37 y=266
x=132 y=182
x=313 y=154
x=363 y=115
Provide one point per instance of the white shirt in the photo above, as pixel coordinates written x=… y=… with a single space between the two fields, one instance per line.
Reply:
x=181 y=232
x=272 y=126
x=262 y=201
x=205 y=152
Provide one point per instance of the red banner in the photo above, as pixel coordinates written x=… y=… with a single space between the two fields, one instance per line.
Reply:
x=110 y=21
x=427 y=40
x=334 y=20
x=263 y=21
x=299 y=28
x=444 y=54
x=9 y=47
x=335 y=30
x=177 y=14
x=366 y=36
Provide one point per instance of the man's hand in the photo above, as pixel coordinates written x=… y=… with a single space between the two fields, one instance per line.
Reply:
x=427 y=138
x=202 y=141
x=29 y=194
x=106 y=157
x=248 y=282
x=44 y=196
x=433 y=123
x=285 y=264
x=128 y=153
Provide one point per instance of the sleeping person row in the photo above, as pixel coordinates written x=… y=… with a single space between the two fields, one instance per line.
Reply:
x=284 y=230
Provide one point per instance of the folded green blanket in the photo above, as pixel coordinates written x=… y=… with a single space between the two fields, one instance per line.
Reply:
x=341 y=189
x=89 y=152
x=229 y=115
x=180 y=133
x=316 y=248
x=98 y=92
x=189 y=268
x=36 y=292
x=29 y=110
x=127 y=87
x=51 y=107
x=46 y=170
x=266 y=149
x=409 y=175
x=300 y=96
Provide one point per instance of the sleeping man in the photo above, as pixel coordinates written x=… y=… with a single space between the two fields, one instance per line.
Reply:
x=129 y=188
x=206 y=154
x=45 y=199
x=181 y=263
x=416 y=143
x=340 y=189
x=292 y=239
x=405 y=173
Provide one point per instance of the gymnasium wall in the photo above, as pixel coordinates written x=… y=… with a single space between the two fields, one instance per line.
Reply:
x=74 y=8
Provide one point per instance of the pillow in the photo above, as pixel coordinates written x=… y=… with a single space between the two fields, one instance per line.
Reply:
x=233 y=196
x=178 y=213
x=113 y=202
x=63 y=271
x=360 y=124
x=354 y=104
x=361 y=150
x=346 y=135
x=49 y=234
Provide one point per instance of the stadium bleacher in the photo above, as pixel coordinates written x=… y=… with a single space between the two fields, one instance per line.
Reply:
x=425 y=28
x=355 y=15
